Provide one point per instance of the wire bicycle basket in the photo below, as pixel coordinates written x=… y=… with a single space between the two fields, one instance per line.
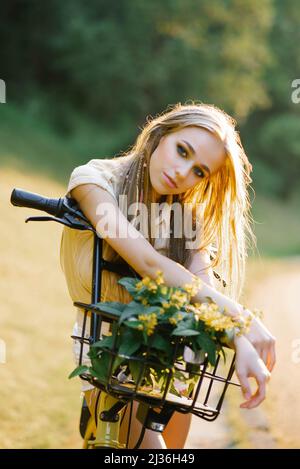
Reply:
x=204 y=398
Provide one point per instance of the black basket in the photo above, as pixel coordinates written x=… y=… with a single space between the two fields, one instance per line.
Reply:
x=204 y=400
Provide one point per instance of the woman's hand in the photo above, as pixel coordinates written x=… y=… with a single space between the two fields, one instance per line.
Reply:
x=263 y=342
x=259 y=336
x=249 y=365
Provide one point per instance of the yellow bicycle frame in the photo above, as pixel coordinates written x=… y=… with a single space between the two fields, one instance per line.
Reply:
x=107 y=433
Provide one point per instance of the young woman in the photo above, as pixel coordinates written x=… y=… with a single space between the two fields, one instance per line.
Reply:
x=190 y=155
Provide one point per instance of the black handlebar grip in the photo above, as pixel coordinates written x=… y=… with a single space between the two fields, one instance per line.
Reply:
x=21 y=198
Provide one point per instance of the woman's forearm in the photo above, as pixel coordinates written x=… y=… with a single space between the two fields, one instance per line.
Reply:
x=230 y=307
x=175 y=275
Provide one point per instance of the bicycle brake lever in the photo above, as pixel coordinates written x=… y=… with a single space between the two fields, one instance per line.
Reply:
x=71 y=224
x=67 y=204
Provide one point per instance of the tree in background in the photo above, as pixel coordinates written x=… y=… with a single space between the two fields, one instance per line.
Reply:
x=112 y=60
x=101 y=67
x=273 y=135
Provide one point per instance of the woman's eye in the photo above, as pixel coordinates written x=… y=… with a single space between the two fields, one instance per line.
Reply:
x=199 y=173
x=182 y=151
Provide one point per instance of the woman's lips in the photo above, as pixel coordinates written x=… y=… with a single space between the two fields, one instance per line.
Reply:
x=169 y=181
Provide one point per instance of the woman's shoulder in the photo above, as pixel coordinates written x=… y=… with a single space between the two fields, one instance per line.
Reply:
x=104 y=172
x=112 y=166
x=112 y=162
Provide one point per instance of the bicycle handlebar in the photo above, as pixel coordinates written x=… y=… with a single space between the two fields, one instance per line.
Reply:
x=21 y=198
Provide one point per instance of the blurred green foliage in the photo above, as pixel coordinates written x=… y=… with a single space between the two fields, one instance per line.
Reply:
x=87 y=75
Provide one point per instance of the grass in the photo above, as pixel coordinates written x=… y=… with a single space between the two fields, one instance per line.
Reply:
x=39 y=406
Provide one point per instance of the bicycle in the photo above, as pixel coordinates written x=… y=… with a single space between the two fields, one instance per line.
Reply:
x=115 y=396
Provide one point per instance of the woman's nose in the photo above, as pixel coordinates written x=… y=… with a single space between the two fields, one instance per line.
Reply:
x=183 y=171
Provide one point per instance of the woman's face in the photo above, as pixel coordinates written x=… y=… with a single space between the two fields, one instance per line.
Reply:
x=186 y=156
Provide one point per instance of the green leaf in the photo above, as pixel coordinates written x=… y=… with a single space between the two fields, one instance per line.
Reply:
x=93 y=352
x=187 y=323
x=151 y=309
x=112 y=307
x=145 y=337
x=161 y=343
x=209 y=346
x=129 y=283
x=133 y=324
x=135 y=369
x=78 y=371
x=185 y=332
x=130 y=342
x=185 y=316
x=132 y=309
x=100 y=366
x=117 y=362
x=105 y=342
x=162 y=298
x=200 y=325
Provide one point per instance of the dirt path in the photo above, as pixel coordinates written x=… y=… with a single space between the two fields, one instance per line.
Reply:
x=274 y=287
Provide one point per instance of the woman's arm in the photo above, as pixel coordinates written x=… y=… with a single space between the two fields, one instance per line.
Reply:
x=103 y=212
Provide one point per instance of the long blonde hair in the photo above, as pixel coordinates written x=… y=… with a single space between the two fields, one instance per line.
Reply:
x=224 y=195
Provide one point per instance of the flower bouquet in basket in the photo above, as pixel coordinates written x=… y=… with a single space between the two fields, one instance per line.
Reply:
x=160 y=327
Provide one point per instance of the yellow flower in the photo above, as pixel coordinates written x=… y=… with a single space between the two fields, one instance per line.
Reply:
x=142 y=317
x=173 y=321
x=164 y=290
x=150 y=321
x=159 y=279
x=209 y=313
x=178 y=299
x=146 y=281
x=194 y=287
